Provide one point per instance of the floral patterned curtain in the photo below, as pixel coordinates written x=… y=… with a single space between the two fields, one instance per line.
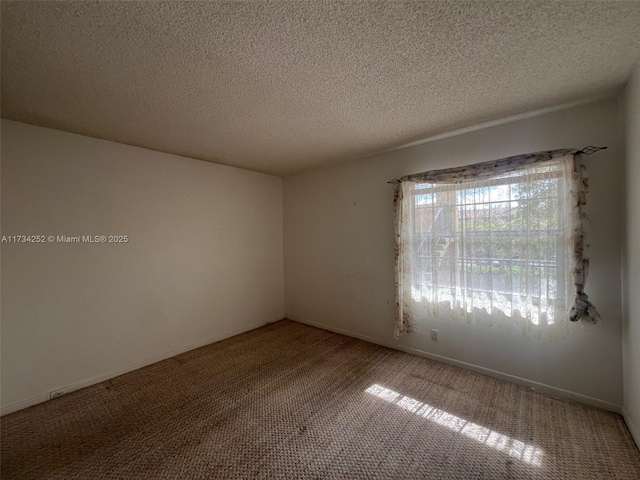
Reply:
x=576 y=173
x=413 y=302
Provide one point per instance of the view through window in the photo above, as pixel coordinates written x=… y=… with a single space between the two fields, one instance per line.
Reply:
x=494 y=244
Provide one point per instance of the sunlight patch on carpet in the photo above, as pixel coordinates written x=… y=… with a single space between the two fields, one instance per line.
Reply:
x=528 y=453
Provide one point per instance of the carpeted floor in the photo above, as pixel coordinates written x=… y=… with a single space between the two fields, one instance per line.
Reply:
x=289 y=401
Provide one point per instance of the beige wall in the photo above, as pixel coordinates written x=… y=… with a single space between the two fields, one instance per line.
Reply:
x=631 y=265
x=204 y=259
x=339 y=271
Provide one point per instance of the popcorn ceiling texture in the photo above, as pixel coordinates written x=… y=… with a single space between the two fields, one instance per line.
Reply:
x=279 y=87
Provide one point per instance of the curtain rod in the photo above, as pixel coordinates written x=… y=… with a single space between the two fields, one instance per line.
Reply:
x=588 y=150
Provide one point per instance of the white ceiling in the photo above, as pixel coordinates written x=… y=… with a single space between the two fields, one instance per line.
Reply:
x=279 y=87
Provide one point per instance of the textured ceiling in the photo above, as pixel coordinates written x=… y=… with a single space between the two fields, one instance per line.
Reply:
x=283 y=86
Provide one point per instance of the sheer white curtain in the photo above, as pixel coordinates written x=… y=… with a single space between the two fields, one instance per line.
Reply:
x=496 y=243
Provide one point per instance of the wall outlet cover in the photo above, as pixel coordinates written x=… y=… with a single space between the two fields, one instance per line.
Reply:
x=56 y=394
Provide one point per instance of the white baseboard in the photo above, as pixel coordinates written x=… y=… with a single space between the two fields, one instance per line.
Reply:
x=28 y=402
x=633 y=428
x=555 y=391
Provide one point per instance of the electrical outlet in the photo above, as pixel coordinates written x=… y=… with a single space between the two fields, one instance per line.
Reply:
x=56 y=394
x=434 y=334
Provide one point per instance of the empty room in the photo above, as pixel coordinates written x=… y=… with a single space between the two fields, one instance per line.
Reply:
x=320 y=240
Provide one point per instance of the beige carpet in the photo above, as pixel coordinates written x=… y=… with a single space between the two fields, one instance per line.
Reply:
x=294 y=402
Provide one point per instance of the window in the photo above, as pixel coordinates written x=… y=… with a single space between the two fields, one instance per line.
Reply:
x=491 y=244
